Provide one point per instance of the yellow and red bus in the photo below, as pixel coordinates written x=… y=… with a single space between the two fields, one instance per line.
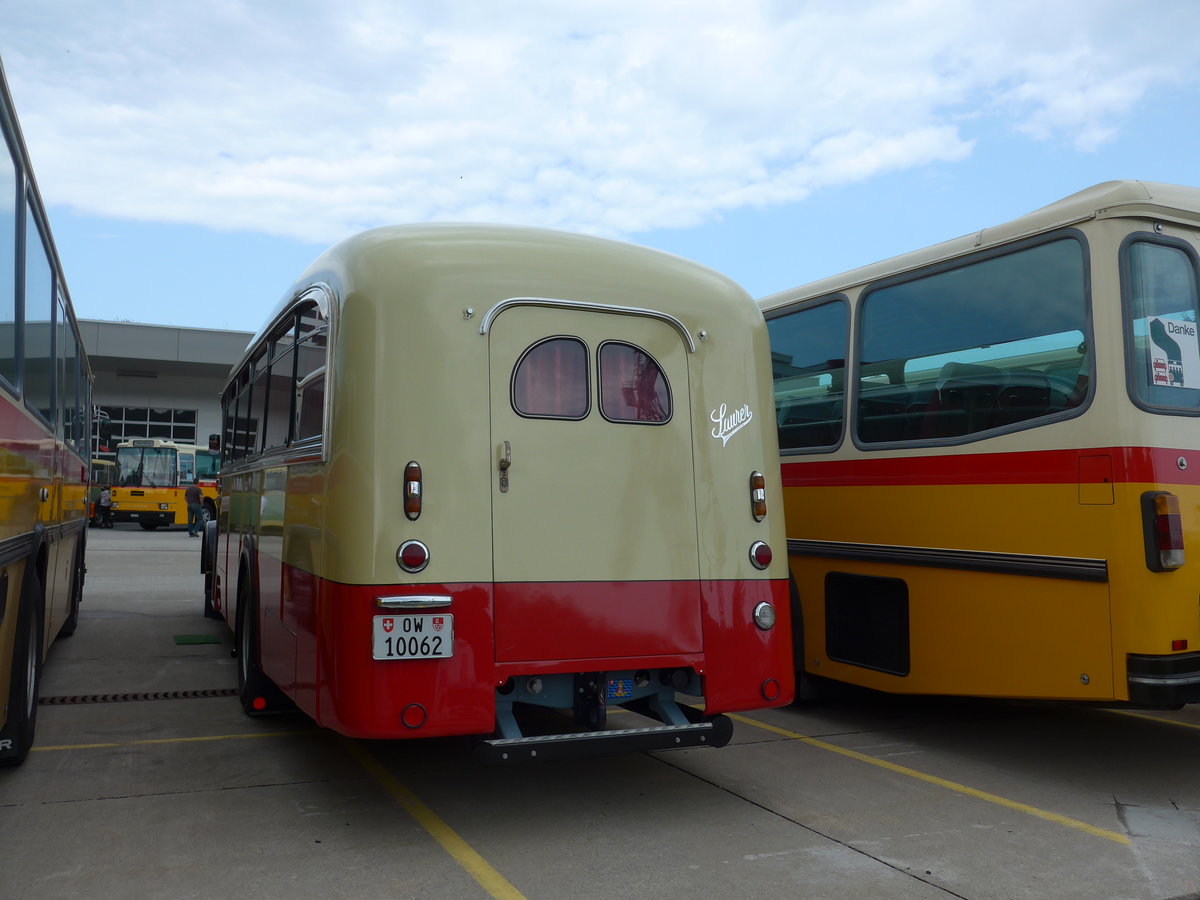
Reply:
x=470 y=470
x=45 y=391
x=990 y=454
x=153 y=476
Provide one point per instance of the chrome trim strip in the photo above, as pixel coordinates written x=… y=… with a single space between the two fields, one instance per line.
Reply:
x=1076 y=569
x=421 y=601
x=1166 y=680
x=500 y=307
x=17 y=548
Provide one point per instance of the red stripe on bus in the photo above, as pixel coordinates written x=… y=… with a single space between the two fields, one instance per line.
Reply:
x=1128 y=465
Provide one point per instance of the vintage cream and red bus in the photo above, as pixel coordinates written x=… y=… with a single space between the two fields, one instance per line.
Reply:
x=473 y=468
x=45 y=390
x=991 y=457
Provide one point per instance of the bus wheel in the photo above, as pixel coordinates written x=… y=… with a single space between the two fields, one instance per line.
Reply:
x=207 y=513
x=258 y=694
x=148 y=526
x=17 y=736
x=77 y=572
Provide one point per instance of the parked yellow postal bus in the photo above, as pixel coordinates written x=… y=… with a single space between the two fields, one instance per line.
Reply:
x=990 y=453
x=104 y=475
x=153 y=476
x=45 y=399
x=473 y=469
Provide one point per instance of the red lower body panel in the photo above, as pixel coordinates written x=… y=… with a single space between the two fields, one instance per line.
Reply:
x=507 y=630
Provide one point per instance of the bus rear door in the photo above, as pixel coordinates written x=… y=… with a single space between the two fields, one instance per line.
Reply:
x=593 y=500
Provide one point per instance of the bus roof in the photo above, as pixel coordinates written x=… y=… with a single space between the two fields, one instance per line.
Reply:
x=1110 y=199
x=492 y=258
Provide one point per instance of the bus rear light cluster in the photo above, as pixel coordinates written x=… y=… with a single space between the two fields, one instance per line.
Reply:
x=760 y=555
x=758 y=496
x=413 y=556
x=1163 y=530
x=412 y=491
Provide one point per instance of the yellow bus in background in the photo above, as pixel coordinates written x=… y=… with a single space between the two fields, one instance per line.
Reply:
x=45 y=400
x=153 y=476
x=990 y=454
x=104 y=475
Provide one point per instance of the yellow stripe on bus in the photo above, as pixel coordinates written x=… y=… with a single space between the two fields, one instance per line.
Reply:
x=477 y=867
x=942 y=782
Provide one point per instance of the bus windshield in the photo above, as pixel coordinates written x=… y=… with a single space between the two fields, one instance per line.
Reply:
x=147 y=467
x=208 y=463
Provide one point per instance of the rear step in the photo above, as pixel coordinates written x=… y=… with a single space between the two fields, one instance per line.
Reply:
x=712 y=732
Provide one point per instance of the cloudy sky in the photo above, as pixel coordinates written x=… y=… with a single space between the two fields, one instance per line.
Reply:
x=196 y=157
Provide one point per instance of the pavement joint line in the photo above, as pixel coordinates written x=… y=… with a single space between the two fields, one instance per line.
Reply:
x=488 y=877
x=977 y=794
x=108 y=745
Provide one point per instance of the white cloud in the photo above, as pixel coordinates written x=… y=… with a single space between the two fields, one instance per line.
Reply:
x=612 y=117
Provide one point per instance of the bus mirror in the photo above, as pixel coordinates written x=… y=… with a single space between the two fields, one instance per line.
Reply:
x=214 y=442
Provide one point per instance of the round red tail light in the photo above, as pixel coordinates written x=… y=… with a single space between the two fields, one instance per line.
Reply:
x=413 y=556
x=760 y=555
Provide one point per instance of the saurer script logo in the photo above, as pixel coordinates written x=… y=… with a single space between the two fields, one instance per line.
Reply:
x=730 y=423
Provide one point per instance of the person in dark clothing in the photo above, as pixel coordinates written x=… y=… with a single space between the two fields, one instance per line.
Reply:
x=106 y=508
x=194 y=508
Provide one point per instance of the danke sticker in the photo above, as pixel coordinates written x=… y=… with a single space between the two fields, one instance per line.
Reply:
x=730 y=423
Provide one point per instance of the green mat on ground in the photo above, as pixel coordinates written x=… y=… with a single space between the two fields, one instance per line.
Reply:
x=197 y=639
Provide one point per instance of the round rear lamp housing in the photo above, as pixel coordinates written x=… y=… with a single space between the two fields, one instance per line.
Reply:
x=413 y=556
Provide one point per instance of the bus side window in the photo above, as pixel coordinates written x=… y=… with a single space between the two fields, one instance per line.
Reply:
x=969 y=349
x=808 y=368
x=310 y=405
x=1162 y=305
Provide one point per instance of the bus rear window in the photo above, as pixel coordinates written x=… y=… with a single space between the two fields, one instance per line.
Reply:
x=1160 y=288
x=551 y=380
x=632 y=386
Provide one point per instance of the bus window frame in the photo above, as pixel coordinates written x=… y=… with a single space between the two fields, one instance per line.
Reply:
x=319 y=296
x=1132 y=363
x=600 y=385
x=847 y=336
x=854 y=377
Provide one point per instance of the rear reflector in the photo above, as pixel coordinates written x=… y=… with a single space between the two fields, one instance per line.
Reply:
x=760 y=555
x=1163 y=531
x=413 y=556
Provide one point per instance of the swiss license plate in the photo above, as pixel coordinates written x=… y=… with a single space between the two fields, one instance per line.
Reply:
x=412 y=636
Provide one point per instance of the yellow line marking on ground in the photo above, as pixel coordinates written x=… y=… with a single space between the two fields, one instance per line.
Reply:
x=1159 y=719
x=477 y=867
x=942 y=782
x=180 y=740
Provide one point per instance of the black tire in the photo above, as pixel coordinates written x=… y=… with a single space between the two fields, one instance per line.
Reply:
x=259 y=695
x=16 y=738
x=78 y=572
x=208 y=565
x=148 y=526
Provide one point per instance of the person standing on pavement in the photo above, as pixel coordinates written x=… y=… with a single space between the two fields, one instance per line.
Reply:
x=194 y=500
x=105 y=508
